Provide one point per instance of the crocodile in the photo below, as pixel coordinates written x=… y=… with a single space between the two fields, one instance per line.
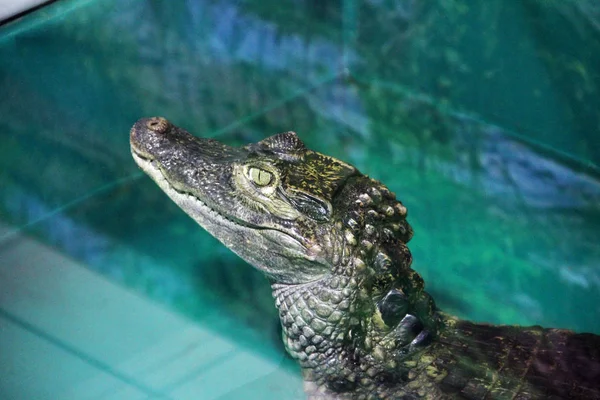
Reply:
x=354 y=314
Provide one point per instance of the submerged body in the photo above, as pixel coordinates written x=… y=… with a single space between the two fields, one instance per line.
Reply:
x=332 y=241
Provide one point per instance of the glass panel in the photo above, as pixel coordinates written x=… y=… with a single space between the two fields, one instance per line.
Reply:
x=485 y=129
x=504 y=62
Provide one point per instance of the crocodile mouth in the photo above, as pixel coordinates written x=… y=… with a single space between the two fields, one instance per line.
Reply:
x=153 y=168
x=208 y=215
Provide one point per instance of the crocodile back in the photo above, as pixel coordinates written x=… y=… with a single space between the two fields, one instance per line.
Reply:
x=510 y=362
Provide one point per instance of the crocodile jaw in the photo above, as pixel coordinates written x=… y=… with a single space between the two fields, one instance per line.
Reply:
x=248 y=242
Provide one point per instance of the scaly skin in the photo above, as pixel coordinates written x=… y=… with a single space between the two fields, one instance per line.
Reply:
x=354 y=314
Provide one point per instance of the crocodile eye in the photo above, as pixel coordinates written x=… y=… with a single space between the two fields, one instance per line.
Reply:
x=260 y=177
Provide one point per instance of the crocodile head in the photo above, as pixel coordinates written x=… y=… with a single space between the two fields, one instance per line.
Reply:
x=267 y=201
x=331 y=240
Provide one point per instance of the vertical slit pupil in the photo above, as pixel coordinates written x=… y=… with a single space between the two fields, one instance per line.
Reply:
x=260 y=177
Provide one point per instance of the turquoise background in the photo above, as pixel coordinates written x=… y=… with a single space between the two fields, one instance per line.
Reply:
x=482 y=118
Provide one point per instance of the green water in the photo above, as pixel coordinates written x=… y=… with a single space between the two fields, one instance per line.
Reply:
x=483 y=119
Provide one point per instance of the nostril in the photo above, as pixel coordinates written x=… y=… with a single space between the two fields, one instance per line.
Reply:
x=157 y=124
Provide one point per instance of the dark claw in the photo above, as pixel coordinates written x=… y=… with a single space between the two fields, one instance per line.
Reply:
x=422 y=339
x=393 y=307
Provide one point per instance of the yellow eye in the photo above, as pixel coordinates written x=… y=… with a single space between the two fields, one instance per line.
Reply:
x=260 y=177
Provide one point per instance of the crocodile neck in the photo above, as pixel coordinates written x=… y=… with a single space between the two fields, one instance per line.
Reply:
x=318 y=320
x=334 y=326
x=318 y=323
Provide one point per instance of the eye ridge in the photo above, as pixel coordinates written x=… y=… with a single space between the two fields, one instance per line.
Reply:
x=260 y=177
